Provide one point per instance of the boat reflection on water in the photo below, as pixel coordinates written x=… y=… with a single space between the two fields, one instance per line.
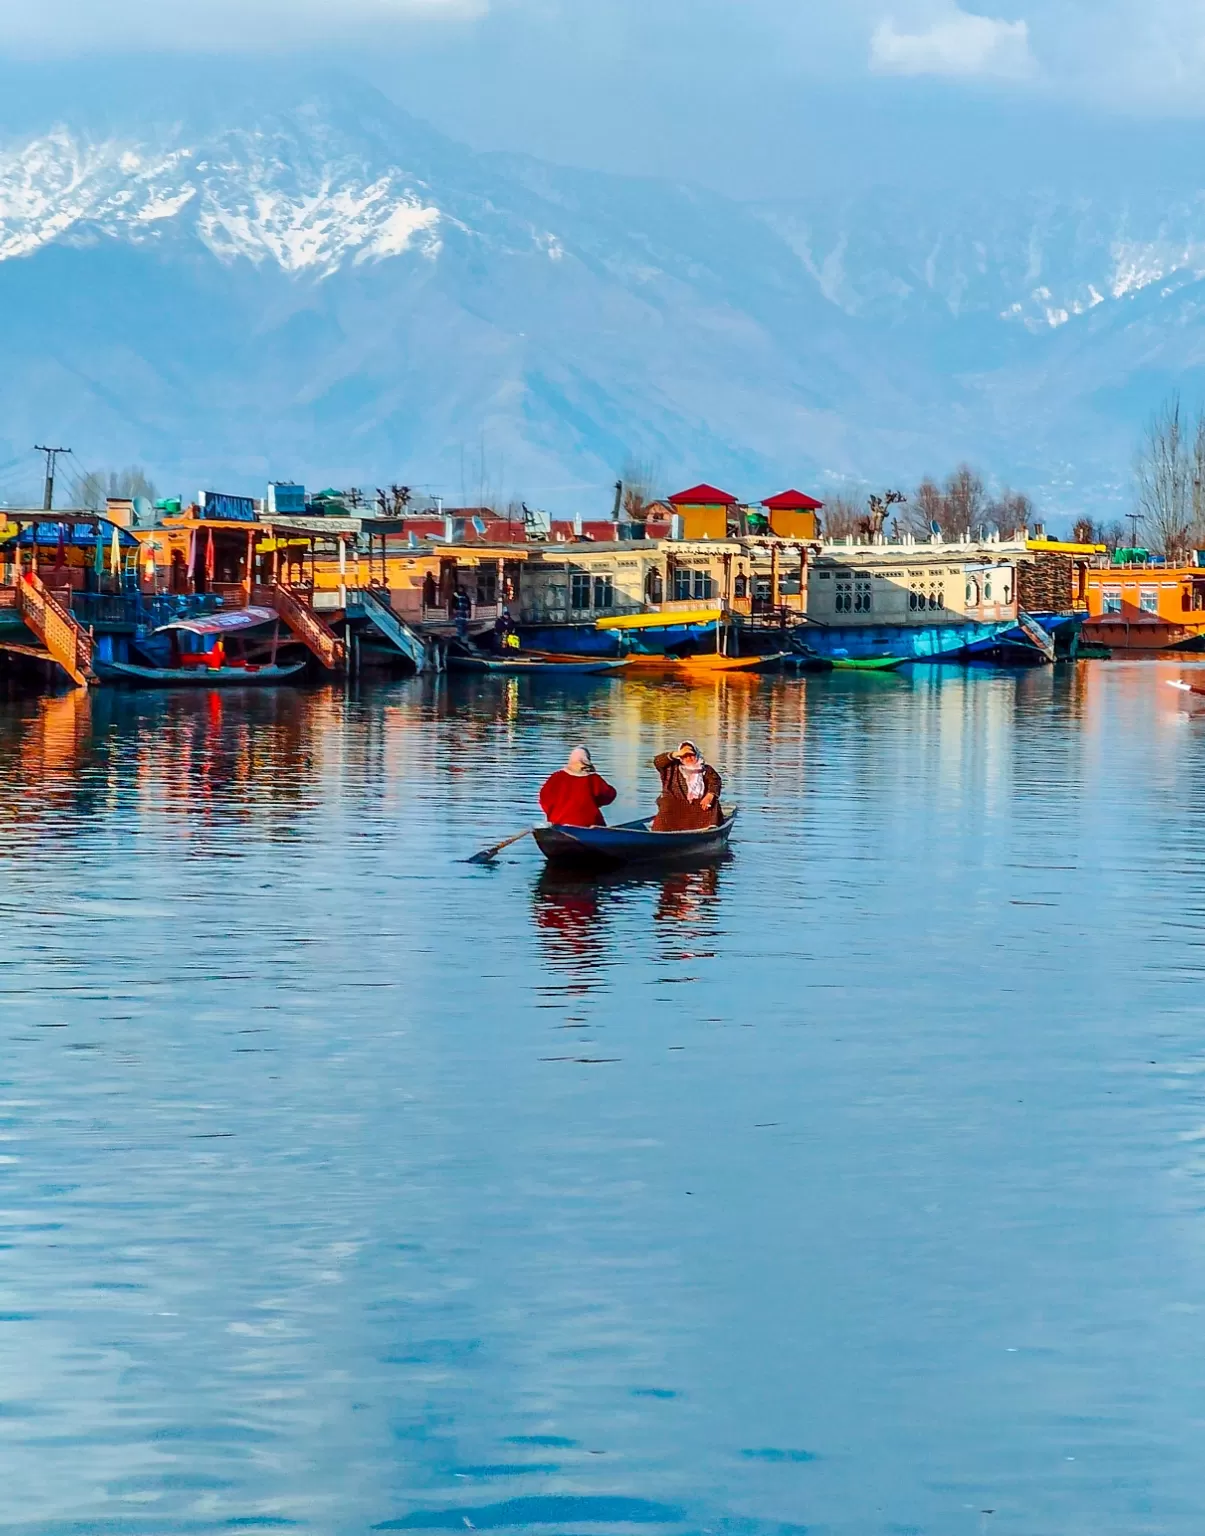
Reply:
x=577 y=911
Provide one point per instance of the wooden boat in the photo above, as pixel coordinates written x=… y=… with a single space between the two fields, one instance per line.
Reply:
x=705 y=664
x=195 y=677
x=629 y=843
x=530 y=666
x=868 y=663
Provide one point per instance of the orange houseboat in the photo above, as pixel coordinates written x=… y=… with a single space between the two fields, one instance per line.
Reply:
x=1146 y=607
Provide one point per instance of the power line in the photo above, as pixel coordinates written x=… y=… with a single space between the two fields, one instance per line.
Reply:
x=51 y=455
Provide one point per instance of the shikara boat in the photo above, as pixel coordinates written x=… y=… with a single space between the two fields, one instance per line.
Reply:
x=196 y=677
x=705 y=664
x=868 y=663
x=631 y=842
x=530 y=666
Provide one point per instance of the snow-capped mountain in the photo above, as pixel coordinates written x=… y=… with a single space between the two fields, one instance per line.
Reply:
x=329 y=289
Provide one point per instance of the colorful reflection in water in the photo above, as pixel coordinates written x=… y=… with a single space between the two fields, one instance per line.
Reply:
x=849 y=1183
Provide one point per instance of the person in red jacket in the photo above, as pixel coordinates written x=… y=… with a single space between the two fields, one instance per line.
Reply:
x=575 y=794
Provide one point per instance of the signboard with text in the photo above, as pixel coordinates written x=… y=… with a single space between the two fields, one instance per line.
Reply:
x=227 y=509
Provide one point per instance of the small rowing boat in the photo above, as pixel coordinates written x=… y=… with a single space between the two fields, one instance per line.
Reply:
x=705 y=664
x=532 y=666
x=867 y=663
x=195 y=677
x=630 y=842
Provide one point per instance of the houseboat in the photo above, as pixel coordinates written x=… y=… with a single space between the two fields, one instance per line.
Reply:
x=1139 y=605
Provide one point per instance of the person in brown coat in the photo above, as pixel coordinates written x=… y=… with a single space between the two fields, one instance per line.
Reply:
x=690 y=791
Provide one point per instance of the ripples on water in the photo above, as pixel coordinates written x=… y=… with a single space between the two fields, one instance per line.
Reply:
x=853 y=1184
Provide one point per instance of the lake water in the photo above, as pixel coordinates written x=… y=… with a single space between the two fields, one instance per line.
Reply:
x=856 y=1185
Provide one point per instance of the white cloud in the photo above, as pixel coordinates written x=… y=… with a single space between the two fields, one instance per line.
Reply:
x=209 y=25
x=957 y=43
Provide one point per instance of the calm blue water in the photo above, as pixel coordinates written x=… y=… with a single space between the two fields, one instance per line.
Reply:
x=856 y=1186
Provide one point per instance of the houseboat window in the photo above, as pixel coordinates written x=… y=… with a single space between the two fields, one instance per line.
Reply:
x=579 y=589
x=681 y=585
x=702 y=584
x=487 y=585
x=1185 y=600
x=740 y=587
x=1112 y=600
x=862 y=597
x=788 y=586
x=654 y=587
x=915 y=599
x=987 y=589
x=972 y=594
x=934 y=599
x=1148 y=601
x=844 y=601
x=604 y=592
x=825 y=575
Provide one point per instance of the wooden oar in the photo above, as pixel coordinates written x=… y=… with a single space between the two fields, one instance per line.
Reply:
x=490 y=853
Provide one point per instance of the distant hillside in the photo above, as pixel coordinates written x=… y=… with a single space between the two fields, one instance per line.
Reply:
x=330 y=290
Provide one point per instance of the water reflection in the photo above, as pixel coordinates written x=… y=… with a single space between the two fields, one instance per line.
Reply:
x=854 y=1181
x=576 y=912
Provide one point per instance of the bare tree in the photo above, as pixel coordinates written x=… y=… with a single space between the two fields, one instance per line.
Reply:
x=393 y=502
x=965 y=502
x=877 y=508
x=1111 y=535
x=1010 y=512
x=1168 y=500
x=926 y=507
x=843 y=518
x=97 y=486
x=639 y=479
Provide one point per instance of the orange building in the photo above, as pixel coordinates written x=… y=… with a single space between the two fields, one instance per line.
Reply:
x=793 y=515
x=1146 y=607
x=705 y=511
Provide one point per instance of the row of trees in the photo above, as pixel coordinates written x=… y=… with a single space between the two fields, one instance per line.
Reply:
x=1169 y=474
x=1169 y=516
x=958 y=505
x=96 y=485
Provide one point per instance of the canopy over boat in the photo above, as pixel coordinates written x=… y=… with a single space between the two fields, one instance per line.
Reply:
x=222 y=623
x=661 y=620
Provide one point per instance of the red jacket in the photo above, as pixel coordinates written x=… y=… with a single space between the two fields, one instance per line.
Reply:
x=573 y=800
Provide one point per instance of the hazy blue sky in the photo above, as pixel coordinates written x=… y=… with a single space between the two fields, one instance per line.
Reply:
x=760 y=96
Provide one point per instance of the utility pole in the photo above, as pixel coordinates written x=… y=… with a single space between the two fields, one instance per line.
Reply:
x=51 y=455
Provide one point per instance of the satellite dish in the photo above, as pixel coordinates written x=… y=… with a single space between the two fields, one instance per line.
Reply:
x=144 y=512
x=479 y=525
x=934 y=526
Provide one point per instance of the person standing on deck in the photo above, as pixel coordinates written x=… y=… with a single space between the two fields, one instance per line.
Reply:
x=690 y=791
x=575 y=794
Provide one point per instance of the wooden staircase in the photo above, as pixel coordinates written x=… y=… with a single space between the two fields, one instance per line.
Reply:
x=1038 y=637
x=66 y=641
x=391 y=625
x=309 y=628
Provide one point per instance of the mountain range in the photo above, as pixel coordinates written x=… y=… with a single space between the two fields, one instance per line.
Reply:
x=313 y=284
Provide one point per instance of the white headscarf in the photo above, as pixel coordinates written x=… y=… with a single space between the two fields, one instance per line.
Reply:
x=695 y=785
x=579 y=763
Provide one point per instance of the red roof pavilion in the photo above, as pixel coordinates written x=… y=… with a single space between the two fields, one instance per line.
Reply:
x=792 y=501
x=703 y=496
